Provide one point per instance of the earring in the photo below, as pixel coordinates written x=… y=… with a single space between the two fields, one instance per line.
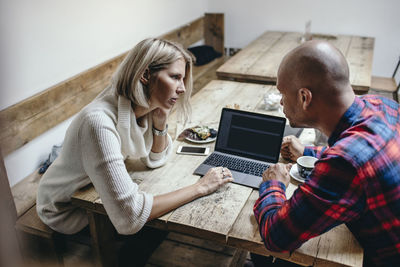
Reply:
x=144 y=79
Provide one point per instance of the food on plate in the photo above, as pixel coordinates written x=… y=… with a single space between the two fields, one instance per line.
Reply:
x=198 y=133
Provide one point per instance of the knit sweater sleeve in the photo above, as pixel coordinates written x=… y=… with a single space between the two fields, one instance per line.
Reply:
x=155 y=160
x=127 y=207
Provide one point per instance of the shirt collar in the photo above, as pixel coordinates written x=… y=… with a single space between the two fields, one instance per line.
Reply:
x=347 y=120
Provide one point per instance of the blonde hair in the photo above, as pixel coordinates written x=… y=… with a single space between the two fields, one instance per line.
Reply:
x=155 y=55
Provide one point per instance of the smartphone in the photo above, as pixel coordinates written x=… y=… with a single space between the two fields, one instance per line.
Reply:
x=193 y=150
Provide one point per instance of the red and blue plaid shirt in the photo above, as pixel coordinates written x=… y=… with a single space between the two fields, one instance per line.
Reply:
x=356 y=181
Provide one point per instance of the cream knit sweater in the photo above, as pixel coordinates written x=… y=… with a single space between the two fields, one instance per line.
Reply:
x=96 y=144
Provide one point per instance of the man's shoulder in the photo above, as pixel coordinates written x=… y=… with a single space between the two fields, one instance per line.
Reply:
x=362 y=142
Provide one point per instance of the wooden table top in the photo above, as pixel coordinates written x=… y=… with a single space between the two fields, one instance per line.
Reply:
x=226 y=216
x=259 y=61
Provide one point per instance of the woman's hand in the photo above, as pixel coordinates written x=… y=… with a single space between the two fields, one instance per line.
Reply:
x=291 y=148
x=160 y=116
x=211 y=181
x=214 y=179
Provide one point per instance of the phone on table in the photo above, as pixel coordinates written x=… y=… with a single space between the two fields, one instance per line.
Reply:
x=193 y=150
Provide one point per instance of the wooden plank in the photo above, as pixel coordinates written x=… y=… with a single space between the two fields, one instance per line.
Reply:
x=208 y=73
x=201 y=243
x=187 y=34
x=210 y=217
x=171 y=253
x=339 y=246
x=259 y=61
x=238 y=66
x=342 y=43
x=7 y=200
x=30 y=222
x=359 y=57
x=214 y=31
x=266 y=66
x=9 y=247
x=245 y=234
x=26 y=120
x=89 y=199
x=24 y=192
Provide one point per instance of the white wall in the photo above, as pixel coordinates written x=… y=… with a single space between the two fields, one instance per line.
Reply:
x=44 y=42
x=246 y=20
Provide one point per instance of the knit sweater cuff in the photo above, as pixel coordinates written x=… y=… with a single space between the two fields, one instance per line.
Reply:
x=155 y=160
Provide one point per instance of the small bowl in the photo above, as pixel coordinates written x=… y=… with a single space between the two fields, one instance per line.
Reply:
x=272 y=101
x=305 y=165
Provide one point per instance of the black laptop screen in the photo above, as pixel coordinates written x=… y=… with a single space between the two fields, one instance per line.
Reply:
x=250 y=135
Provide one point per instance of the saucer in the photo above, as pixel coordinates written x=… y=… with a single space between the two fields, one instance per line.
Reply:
x=294 y=173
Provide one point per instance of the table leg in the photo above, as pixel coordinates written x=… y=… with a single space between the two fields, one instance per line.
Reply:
x=103 y=240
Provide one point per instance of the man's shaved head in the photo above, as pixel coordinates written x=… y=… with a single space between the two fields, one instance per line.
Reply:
x=318 y=66
x=314 y=81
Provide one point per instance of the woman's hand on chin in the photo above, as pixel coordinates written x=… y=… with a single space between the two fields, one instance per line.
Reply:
x=160 y=116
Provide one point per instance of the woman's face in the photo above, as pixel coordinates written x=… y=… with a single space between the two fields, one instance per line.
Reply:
x=168 y=85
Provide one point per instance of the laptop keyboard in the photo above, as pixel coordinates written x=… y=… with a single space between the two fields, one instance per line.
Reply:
x=236 y=164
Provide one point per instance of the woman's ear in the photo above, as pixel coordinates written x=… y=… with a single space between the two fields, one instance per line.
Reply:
x=305 y=96
x=145 y=78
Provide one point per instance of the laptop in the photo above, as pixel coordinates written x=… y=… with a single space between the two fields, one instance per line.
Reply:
x=247 y=143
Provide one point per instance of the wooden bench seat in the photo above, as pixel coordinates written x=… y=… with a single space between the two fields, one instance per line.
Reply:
x=206 y=73
x=30 y=118
x=386 y=86
x=30 y=223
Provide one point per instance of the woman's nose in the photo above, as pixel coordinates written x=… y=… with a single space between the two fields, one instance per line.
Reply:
x=181 y=88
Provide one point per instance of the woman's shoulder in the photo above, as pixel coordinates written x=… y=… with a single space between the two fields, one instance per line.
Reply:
x=105 y=107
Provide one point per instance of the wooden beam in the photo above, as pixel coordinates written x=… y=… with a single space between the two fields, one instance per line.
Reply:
x=214 y=31
x=28 y=119
x=9 y=249
x=187 y=34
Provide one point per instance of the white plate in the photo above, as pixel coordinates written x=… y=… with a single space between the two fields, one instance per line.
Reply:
x=294 y=173
x=208 y=140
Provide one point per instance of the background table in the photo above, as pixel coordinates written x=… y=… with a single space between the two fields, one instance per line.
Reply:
x=259 y=61
x=225 y=216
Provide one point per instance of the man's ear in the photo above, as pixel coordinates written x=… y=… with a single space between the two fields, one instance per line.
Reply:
x=145 y=77
x=305 y=97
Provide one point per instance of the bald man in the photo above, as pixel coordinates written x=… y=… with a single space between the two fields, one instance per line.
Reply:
x=356 y=180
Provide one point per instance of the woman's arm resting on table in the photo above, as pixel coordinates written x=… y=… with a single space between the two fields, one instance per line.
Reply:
x=212 y=180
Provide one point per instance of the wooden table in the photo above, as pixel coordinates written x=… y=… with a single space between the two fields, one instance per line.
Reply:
x=225 y=216
x=259 y=61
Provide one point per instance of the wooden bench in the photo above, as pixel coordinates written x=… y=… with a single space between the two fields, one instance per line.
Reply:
x=31 y=117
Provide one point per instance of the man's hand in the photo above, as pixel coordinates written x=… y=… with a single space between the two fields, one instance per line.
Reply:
x=278 y=172
x=291 y=148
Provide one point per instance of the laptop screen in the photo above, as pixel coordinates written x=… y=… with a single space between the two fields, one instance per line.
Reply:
x=251 y=135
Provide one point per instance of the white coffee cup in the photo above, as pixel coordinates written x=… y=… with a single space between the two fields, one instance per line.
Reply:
x=305 y=164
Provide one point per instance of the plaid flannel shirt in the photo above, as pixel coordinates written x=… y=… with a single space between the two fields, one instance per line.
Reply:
x=356 y=181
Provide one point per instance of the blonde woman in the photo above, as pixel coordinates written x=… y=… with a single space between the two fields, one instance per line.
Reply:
x=128 y=119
